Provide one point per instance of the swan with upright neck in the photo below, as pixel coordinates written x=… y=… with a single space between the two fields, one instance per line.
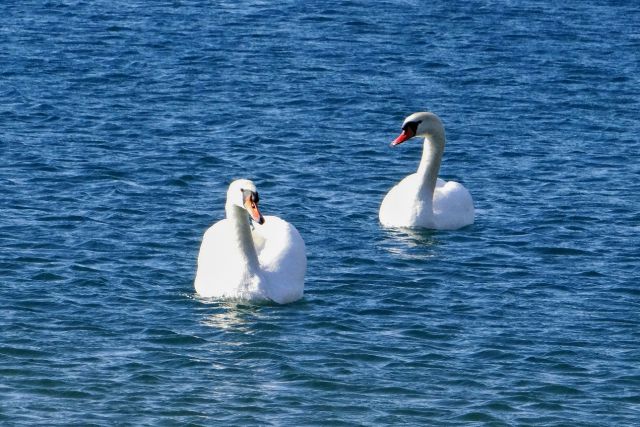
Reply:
x=248 y=256
x=422 y=199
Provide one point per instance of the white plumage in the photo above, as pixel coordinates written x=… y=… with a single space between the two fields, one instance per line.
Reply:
x=422 y=199
x=241 y=260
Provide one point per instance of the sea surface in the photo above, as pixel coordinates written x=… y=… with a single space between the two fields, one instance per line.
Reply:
x=123 y=122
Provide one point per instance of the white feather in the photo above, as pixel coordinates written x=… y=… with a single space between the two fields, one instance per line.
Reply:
x=259 y=262
x=422 y=199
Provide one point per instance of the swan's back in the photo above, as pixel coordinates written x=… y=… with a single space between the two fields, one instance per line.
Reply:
x=283 y=260
x=452 y=206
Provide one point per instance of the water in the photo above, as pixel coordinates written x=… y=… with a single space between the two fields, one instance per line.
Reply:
x=123 y=123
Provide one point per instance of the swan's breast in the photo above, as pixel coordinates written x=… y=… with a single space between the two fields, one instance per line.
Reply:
x=400 y=206
x=219 y=266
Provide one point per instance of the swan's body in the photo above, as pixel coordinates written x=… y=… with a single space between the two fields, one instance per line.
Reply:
x=422 y=199
x=265 y=260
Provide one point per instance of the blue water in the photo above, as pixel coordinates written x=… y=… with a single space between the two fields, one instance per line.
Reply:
x=122 y=123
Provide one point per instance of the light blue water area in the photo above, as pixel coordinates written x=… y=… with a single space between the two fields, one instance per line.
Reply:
x=124 y=122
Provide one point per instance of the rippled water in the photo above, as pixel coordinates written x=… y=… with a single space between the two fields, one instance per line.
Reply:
x=123 y=123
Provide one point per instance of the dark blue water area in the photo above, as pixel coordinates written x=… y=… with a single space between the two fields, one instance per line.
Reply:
x=122 y=124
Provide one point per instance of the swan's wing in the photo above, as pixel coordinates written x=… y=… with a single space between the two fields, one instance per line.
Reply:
x=452 y=206
x=281 y=246
x=282 y=256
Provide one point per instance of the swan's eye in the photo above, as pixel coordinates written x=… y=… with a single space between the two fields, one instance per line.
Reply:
x=250 y=196
x=411 y=127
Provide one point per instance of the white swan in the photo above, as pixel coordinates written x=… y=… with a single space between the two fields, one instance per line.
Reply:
x=265 y=260
x=422 y=199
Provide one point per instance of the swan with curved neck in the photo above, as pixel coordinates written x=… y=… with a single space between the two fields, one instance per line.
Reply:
x=422 y=199
x=249 y=256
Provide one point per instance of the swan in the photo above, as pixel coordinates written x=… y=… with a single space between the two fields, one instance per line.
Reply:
x=422 y=199
x=259 y=259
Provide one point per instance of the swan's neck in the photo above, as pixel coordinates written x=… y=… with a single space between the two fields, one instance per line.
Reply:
x=242 y=233
x=430 y=165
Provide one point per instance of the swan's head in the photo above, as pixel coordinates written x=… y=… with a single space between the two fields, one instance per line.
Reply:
x=420 y=124
x=244 y=194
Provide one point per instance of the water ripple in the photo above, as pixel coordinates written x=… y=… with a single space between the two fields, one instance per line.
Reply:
x=121 y=136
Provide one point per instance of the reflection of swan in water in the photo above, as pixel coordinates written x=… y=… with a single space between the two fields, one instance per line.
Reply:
x=232 y=316
x=410 y=243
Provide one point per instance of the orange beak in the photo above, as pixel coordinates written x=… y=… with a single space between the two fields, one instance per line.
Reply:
x=406 y=134
x=252 y=208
